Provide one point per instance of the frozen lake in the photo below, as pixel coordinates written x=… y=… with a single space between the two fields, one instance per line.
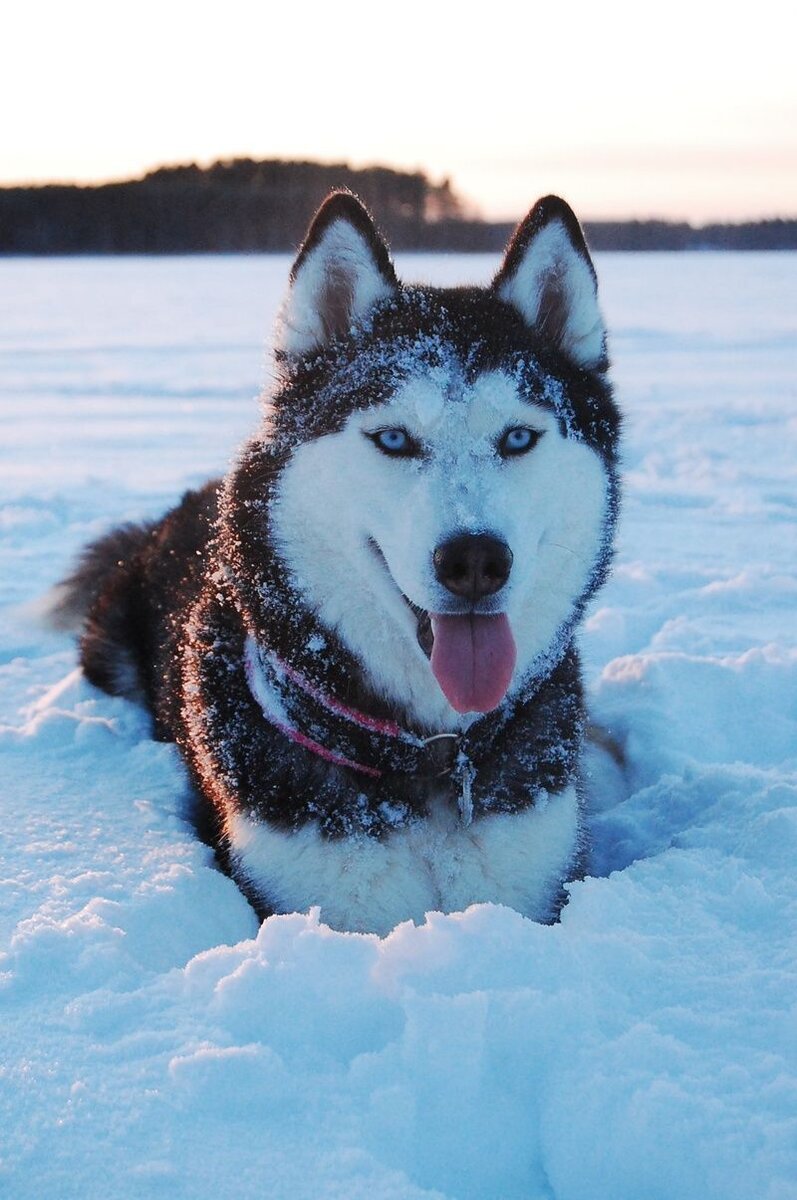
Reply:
x=153 y=1042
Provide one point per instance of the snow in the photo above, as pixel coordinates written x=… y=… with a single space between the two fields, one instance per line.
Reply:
x=154 y=1041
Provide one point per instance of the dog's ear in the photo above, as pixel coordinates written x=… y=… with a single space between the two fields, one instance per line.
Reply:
x=547 y=274
x=342 y=271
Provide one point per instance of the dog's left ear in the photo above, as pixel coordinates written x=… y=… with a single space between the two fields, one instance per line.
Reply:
x=548 y=276
x=343 y=270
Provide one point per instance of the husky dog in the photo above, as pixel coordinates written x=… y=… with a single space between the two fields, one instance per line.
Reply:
x=362 y=638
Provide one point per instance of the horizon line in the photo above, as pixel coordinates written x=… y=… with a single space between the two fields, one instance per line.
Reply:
x=474 y=214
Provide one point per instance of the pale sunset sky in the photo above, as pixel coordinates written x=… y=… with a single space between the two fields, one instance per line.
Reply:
x=684 y=110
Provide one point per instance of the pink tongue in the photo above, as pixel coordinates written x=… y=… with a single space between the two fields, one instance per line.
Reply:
x=473 y=659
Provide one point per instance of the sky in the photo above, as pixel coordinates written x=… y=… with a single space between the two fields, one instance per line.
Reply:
x=687 y=111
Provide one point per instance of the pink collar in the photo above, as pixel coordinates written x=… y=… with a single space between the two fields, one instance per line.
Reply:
x=284 y=695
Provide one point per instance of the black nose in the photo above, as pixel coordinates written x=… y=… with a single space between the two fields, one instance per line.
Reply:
x=473 y=565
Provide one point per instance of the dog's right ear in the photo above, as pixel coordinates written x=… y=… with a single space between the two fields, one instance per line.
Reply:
x=342 y=272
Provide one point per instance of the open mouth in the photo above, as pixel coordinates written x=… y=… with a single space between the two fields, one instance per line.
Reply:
x=425 y=633
x=472 y=655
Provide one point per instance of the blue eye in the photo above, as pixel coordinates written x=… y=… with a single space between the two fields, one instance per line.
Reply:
x=395 y=442
x=392 y=440
x=518 y=440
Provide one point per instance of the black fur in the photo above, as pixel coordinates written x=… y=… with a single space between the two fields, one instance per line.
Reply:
x=169 y=605
x=552 y=316
x=344 y=205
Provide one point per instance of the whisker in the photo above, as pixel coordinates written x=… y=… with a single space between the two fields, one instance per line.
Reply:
x=567 y=549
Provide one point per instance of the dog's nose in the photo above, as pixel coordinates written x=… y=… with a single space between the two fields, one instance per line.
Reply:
x=473 y=565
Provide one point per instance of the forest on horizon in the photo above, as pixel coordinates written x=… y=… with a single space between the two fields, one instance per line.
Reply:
x=249 y=206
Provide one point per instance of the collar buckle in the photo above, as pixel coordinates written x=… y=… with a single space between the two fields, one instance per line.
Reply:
x=441 y=754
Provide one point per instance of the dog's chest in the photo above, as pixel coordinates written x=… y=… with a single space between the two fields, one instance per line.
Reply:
x=436 y=864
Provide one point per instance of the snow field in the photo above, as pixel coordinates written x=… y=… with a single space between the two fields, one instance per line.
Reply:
x=154 y=1041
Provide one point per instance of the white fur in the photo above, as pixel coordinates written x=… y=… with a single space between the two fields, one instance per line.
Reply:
x=58 y=609
x=551 y=258
x=343 y=262
x=548 y=505
x=366 y=885
x=262 y=688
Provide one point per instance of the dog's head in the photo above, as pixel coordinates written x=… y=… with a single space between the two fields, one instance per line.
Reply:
x=447 y=494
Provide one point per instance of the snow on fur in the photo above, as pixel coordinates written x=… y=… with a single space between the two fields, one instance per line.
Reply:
x=154 y=1041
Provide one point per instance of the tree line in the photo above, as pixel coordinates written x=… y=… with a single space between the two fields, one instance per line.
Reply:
x=243 y=205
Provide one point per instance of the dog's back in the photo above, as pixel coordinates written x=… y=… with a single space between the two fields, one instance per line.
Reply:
x=127 y=597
